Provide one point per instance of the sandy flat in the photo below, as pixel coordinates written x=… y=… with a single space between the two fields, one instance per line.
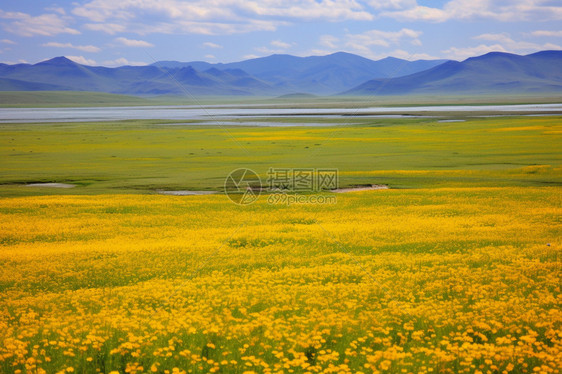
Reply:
x=363 y=188
x=51 y=185
x=186 y=193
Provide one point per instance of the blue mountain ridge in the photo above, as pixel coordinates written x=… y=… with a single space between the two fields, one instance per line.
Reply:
x=338 y=73
x=494 y=72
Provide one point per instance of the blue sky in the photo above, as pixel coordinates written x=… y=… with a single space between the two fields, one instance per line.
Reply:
x=135 y=32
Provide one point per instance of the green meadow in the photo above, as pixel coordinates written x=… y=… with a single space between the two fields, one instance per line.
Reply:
x=454 y=269
x=147 y=155
x=56 y=99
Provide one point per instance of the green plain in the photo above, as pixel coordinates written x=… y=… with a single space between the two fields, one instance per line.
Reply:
x=147 y=155
x=58 y=99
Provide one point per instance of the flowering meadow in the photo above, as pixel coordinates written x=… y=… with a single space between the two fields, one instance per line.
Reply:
x=446 y=280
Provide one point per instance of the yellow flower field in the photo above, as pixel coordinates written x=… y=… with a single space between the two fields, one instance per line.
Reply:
x=452 y=280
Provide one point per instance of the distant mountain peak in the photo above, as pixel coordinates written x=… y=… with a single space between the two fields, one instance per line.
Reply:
x=494 y=54
x=550 y=52
x=391 y=58
x=341 y=54
x=236 y=72
x=494 y=72
x=213 y=71
x=61 y=60
x=281 y=55
x=320 y=75
x=279 y=74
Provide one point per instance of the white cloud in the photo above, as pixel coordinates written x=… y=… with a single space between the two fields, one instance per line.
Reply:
x=556 y=34
x=392 y=4
x=279 y=47
x=133 y=42
x=329 y=41
x=108 y=28
x=419 y=13
x=500 y=10
x=373 y=55
x=122 y=62
x=268 y=51
x=249 y=57
x=503 y=37
x=328 y=10
x=516 y=10
x=46 y=24
x=373 y=44
x=364 y=42
x=317 y=52
x=216 y=16
x=211 y=45
x=58 y=10
x=7 y=41
x=505 y=40
x=507 y=43
x=20 y=61
x=405 y=55
x=83 y=48
x=280 y=44
x=463 y=9
x=502 y=42
x=81 y=60
x=455 y=53
x=551 y=46
x=207 y=28
x=210 y=57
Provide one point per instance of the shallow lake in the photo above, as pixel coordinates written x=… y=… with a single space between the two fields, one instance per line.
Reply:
x=218 y=114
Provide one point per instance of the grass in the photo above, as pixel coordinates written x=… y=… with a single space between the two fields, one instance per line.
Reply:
x=56 y=99
x=455 y=269
x=25 y=99
x=142 y=156
x=450 y=280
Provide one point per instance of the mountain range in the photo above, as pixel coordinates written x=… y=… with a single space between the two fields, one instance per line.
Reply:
x=323 y=75
x=338 y=73
x=494 y=72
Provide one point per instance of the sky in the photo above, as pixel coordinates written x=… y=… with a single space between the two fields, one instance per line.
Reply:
x=139 y=32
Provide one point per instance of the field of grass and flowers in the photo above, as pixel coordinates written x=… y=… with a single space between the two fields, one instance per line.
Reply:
x=445 y=281
x=149 y=155
x=455 y=269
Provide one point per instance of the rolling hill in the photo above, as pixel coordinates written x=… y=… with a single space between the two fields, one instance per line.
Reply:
x=277 y=75
x=323 y=75
x=61 y=73
x=268 y=76
x=494 y=72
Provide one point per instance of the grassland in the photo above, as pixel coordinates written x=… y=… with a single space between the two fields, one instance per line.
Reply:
x=455 y=269
x=143 y=156
x=425 y=280
x=55 y=99
x=38 y=99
